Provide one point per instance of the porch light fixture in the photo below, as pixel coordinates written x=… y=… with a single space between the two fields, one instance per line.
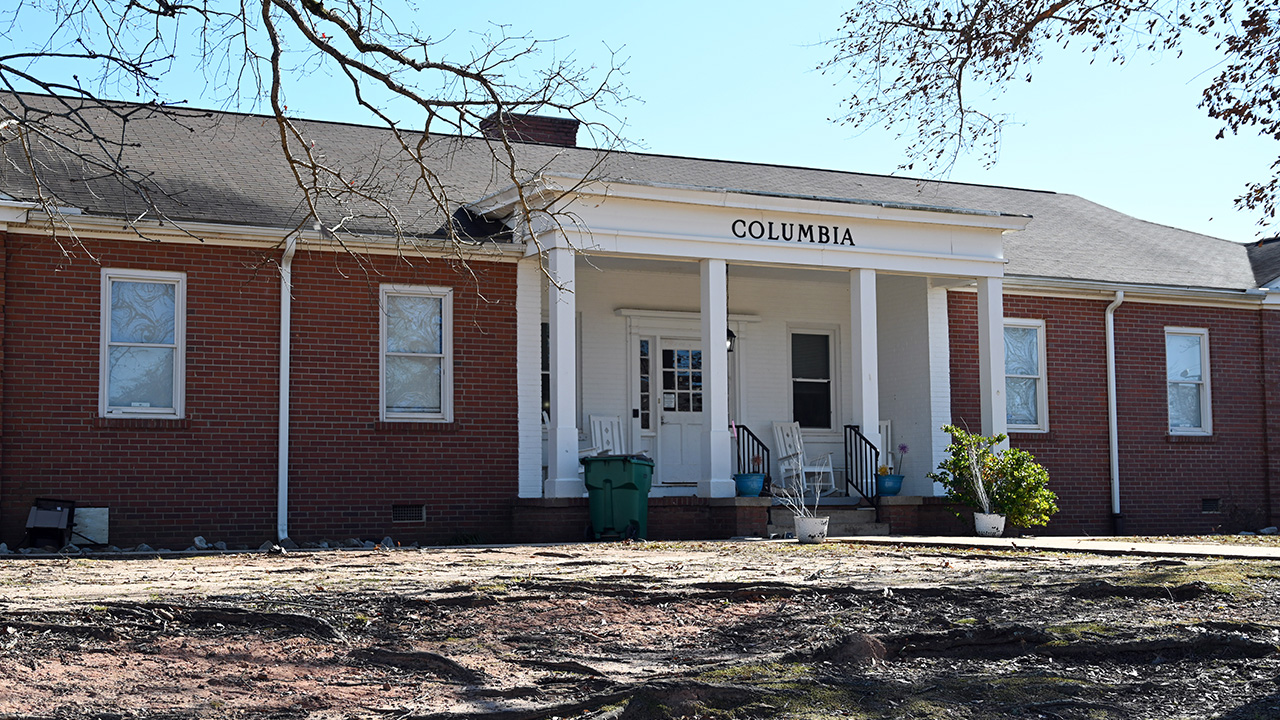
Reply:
x=730 y=339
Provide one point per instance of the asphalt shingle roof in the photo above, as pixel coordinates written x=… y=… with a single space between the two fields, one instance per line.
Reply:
x=227 y=167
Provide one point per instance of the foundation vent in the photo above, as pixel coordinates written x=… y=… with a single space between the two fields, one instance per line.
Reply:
x=1211 y=505
x=408 y=513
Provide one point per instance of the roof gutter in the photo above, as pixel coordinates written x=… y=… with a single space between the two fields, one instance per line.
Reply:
x=1117 y=518
x=1177 y=294
x=286 y=309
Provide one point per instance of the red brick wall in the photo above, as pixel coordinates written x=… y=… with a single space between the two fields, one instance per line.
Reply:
x=1163 y=478
x=214 y=473
x=342 y=458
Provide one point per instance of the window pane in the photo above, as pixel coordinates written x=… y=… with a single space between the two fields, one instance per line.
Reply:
x=413 y=384
x=812 y=403
x=546 y=347
x=1182 y=357
x=143 y=312
x=1021 y=401
x=140 y=377
x=1021 y=351
x=1184 y=405
x=414 y=324
x=810 y=358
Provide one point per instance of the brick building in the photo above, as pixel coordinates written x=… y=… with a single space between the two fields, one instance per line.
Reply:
x=234 y=373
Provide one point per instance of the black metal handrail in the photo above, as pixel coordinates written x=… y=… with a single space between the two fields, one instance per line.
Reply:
x=753 y=454
x=861 y=458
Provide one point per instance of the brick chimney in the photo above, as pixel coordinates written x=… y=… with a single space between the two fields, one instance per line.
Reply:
x=532 y=128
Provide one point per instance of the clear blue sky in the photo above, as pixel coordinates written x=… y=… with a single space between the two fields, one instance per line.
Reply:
x=737 y=81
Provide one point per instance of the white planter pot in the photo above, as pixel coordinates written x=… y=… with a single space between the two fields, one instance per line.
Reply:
x=811 y=529
x=988 y=524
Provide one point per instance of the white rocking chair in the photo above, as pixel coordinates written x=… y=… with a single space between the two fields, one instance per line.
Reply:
x=606 y=436
x=796 y=469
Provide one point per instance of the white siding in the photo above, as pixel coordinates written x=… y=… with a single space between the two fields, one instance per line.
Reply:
x=905 y=381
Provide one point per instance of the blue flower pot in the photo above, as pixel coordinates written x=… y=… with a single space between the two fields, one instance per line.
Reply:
x=749 y=484
x=888 y=485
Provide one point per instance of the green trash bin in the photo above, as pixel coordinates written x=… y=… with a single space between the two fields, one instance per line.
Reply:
x=618 y=495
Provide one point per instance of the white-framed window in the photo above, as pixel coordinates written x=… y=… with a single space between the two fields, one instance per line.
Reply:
x=812 y=389
x=1186 y=360
x=142 y=353
x=1026 y=391
x=417 y=353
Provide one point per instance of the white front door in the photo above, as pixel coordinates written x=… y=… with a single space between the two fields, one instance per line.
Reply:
x=667 y=414
x=679 y=411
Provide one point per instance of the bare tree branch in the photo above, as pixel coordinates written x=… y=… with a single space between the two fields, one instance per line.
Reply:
x=254 y=53
x=914 y=66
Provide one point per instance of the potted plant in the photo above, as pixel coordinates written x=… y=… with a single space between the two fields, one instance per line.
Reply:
x=1005 y=486
x=751 y=484
x=889 y=476
x=810 y=528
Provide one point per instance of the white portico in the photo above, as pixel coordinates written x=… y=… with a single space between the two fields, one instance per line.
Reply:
x=836 y=307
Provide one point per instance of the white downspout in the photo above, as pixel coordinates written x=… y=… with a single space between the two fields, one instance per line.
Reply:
x=286 y=306
x=1117 y=519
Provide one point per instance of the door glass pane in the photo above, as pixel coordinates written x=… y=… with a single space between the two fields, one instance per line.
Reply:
x=140 y=377
x=414 y=324
x=143 y=312
x=1021 y=351
x=413 y=384
x=809 y=357
x=644 y=385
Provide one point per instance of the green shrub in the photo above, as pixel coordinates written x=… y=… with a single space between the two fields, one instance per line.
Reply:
x=1016 y=485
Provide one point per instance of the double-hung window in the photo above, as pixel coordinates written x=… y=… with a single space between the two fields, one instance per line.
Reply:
x=1186 y=358
x=811 y=386
x=143 y=344
x=1026 y=396
x=417 y=354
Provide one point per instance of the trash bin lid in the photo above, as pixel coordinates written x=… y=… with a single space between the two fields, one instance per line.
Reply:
x=636 y=458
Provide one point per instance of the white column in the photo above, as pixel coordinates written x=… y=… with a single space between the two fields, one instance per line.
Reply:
x=562 y=435
x=529 y=374
x=991 y=355
x=717 y=465
x=865 y=364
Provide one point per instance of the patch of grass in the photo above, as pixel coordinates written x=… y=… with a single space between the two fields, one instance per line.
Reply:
x=759 y=674
x=1228 y=576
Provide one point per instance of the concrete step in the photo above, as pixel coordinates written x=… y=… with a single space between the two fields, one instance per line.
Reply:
x=844 y=522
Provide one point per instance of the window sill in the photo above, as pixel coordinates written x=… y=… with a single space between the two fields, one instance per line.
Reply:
x=142 y=423
x=1190 y=439
x=414 y=426
x=1036 y=435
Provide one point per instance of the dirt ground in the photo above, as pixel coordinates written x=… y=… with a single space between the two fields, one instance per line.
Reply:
x=647 y=630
